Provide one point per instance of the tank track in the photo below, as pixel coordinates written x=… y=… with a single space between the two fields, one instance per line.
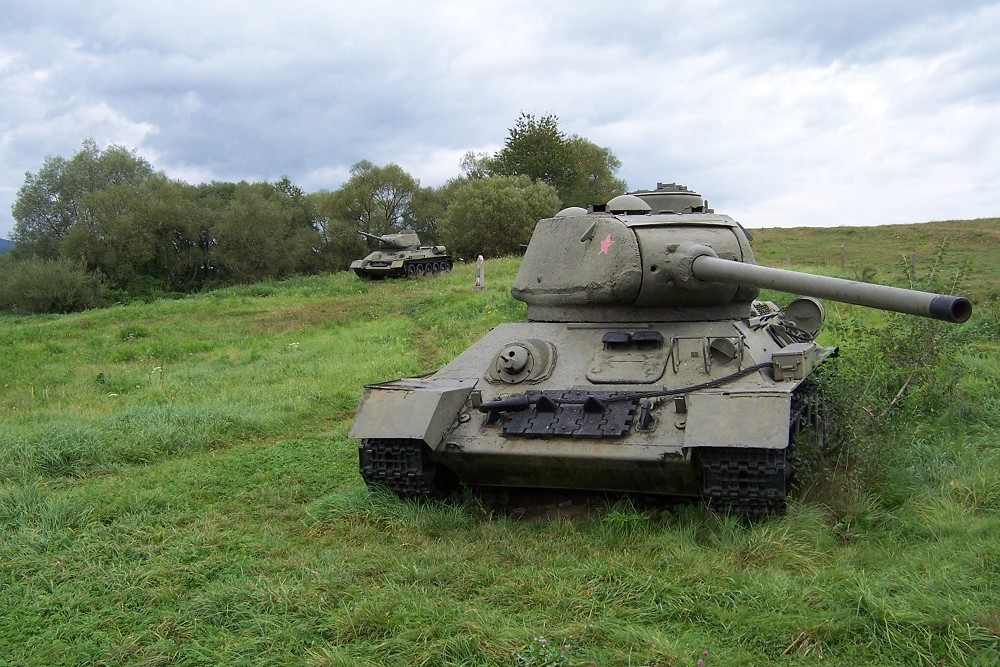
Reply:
x=400 y=466
x=431 y=266
x=411 y=269
x=744 y=481
x=752 y=482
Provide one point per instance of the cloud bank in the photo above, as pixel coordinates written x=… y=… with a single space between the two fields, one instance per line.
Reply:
x=782 y=114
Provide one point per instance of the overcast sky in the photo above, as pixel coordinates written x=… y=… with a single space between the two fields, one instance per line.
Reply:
x=781 y=112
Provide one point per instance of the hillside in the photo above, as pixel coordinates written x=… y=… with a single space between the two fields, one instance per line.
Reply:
x=177 y=487
x=5 y=246
x=882 y=254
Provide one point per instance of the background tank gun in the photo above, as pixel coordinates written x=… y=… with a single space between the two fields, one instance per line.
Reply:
x=647 y=364
x=401 y=255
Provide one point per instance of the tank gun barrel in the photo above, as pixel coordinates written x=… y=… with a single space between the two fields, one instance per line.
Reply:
x=912 y=302
x=374 y=237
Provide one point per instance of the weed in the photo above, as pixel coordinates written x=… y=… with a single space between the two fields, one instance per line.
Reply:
x=544 y=653
x=980 y=495
x=133 y=332
x=988 y=657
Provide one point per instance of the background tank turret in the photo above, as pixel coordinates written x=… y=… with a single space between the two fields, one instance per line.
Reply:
x=401 y=255
x=647 y=364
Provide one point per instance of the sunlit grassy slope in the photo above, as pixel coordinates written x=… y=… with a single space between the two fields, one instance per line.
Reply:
x=177 y=487
x=884 y=253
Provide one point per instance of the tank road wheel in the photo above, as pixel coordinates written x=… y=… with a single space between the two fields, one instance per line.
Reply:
x=446 y=265
x=435 y=268
x=747 y=482
x=411 y=270
x=403 y=467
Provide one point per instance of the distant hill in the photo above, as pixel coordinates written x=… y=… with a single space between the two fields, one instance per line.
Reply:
x=881 y=253
x=5 y=246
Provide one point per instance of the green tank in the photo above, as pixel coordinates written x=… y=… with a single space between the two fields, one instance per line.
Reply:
x=647 y=364
x=400 y=255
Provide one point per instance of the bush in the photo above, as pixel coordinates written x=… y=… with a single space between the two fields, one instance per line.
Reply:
x=897 y=371
x=49 y=286
x=493 y=216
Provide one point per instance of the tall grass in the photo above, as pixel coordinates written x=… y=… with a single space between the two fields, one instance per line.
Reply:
x=177 y=487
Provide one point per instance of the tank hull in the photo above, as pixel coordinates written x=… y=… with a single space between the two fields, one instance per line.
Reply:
x=406 y=264
x=659 y=446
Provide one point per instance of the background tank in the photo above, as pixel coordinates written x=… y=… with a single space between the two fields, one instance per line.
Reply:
x=401 y=255
x=646 y=365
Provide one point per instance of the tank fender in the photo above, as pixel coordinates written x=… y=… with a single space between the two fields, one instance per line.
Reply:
x=734 y=419
x=412 y=408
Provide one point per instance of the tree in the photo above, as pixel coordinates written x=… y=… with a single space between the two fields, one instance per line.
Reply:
x=147 y=238
x=47 y=205
x=537 y=148
x=115 y=240
x=428 y=208
x=476 y=165
x=337 y=240
x=181 y=229
x=582 y=172
x=493 y=216
x=294 y=198
x=254 y=237
x=42 y=217
x=592 y=177
x=376 y=198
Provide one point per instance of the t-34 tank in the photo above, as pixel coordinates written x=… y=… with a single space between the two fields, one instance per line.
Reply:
x=646 y=365
x=401 y=255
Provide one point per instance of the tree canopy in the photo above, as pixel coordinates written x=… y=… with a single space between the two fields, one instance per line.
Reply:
x=582 y=172
x=493 y=216
x=48 y=204
x=537 y=148
x=108 y=214
x=376 y=198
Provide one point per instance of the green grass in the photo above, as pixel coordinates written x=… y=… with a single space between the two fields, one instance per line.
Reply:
x=177 y=487
x=883 y=254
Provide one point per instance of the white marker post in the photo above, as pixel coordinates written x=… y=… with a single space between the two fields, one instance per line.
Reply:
x=480 y=274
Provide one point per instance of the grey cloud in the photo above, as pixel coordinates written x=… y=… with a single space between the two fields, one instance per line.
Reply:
x=766 y=107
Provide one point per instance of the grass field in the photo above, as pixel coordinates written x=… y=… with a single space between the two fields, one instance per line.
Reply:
x=881 y=254
x=177 y=488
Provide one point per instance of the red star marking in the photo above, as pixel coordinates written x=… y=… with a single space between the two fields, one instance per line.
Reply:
x=606 y=245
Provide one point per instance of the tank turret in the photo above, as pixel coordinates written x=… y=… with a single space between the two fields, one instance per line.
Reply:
x=401 y=255
x=676 y=267
x=405 y=241
x=647 y=364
